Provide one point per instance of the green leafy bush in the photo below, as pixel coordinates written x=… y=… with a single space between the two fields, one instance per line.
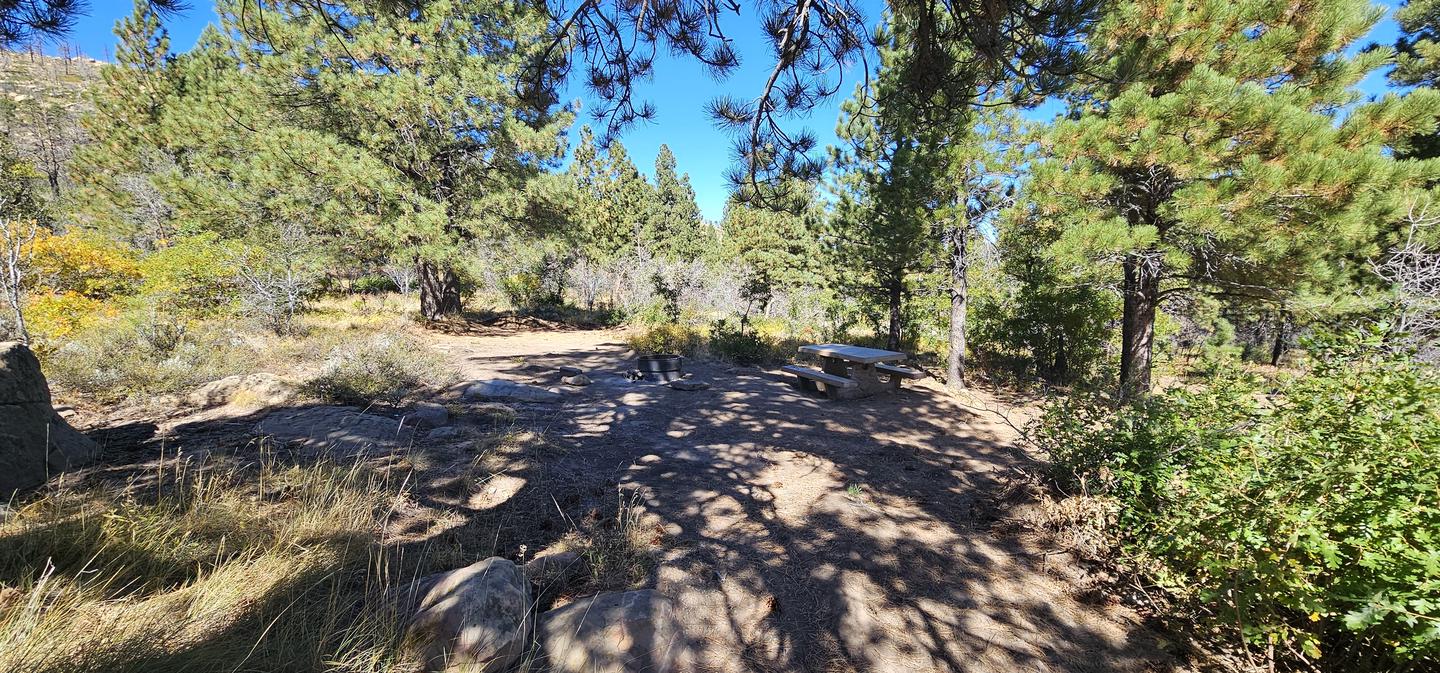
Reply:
x=382 y=369
x=1301 y=513
x=670 y=338
x=373 y=284
x=738 y=345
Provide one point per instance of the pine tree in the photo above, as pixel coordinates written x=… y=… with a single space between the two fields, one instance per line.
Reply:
x=937 y=164
x=593 y=219
x=112 y=172
x=630 y=198
x=24 y=21
x=776 y=249
x=446 y=141
x=1212 y=152
x=675 y=229
x=879 y=232
x=1417 y=63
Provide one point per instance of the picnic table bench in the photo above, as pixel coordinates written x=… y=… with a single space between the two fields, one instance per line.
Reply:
x=852 y=371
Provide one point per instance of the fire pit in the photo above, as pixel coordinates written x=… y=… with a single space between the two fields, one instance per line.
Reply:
x=662 y=367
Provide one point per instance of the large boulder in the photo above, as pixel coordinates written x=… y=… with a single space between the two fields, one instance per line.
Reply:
x=500 y=389
x=251 y=391
x=618 y=632
x=473 y=620
x=35 y=442
x=342 y=429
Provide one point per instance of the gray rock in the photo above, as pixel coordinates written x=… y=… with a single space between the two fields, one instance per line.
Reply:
x=256 y=391
x=576 y=380
x=569 y=371
x=444 y=434
x=685 y=384
x=621 y=632
x=559 y=569
x=475 y=619
x=35 y=442
x=500 y=389
x=429 y=414
x=342 y=428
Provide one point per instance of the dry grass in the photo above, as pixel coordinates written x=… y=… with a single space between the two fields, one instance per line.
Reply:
x=204 y=568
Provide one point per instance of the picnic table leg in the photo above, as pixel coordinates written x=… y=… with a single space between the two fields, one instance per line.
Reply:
x=835 y=366
x=868 y=377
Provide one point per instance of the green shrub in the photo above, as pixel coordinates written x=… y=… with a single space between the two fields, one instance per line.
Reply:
x=1300 y=513
x=373 y=284
x=381 y=369
x=742 y=346
x=671 y=338
x=191 y=277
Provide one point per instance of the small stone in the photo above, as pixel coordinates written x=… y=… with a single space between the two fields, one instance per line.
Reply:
x=429 y=413
x=9 y=596
x=576 y=380
x=618 y=632
x=569 y=371
x=475 y=619
x=685 y=384
x=442 y=434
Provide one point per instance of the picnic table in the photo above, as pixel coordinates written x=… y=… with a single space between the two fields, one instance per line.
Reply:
x=852 y=371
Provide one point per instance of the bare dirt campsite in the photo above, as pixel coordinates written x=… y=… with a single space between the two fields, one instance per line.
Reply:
x=678 y=336
x=792 y=532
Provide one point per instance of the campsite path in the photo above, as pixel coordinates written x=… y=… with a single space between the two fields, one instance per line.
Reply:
x=801 y=534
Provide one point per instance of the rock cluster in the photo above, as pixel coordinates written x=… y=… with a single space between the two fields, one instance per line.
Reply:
x=481 y=619
x=35 y=442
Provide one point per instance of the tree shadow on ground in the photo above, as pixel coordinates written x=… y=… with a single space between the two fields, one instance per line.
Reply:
x=795 y=533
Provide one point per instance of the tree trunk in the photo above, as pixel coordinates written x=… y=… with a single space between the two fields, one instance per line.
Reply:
x=892 y=341
x=439 y=292
x=959 y=304
x=1282 y=324
x=1137 y=330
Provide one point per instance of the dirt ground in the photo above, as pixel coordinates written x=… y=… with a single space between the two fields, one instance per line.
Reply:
x=803 y=534
x=793 y=532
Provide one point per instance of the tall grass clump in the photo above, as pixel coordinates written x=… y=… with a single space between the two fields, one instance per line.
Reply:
x=144 y=355
x=1298 y=515
x=204 y=568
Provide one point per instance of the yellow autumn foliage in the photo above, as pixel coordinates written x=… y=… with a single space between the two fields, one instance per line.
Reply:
x=81 y=264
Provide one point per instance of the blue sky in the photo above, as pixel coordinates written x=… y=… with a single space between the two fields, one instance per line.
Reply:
x=679 y=90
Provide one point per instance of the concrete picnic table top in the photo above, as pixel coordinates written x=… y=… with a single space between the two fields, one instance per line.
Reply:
x=860 y=354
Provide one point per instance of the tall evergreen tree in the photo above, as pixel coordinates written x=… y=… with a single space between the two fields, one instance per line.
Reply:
x=596 y=228
x=1417 y=62
x=430 y=102
x=879 y=232
x=942 y=157
x=675 y=229
x=776 y=249
x=630 y=198
x=113 y=172
x=1211 y=152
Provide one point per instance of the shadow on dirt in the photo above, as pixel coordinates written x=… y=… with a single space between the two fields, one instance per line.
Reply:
x=797 y=534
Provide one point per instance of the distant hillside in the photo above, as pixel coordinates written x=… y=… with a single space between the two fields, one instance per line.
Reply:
x=41 y=101
x=26 y=77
